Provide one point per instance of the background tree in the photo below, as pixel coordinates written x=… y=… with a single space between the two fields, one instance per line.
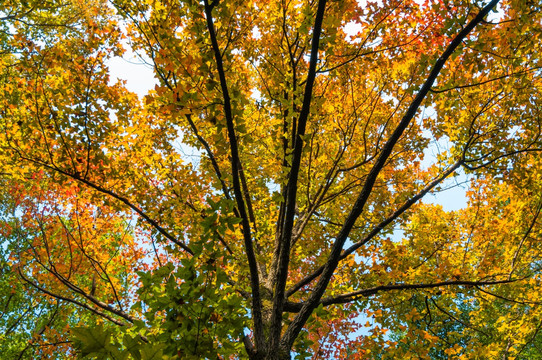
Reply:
x=246 y=206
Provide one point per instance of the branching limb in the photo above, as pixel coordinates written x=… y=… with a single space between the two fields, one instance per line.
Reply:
x=331 y=264
x=211 y=156
x=353 y=296
x=235 y=161
x=116 y=196
x=525 y=236
x=407 y=205
x=73 y=301
x=458 y=320
x=466 y=86
x=291 y=189
x=42 y=329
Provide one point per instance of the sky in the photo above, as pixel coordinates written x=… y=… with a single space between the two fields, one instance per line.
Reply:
x=139 y=76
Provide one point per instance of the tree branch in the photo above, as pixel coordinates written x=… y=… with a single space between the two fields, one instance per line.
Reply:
x=291 y=189
x=353 y=296
x=235 y=161
x=78 y=303
x=466 y=86
x=122 y=199
x=299 y=321
x=210 y=154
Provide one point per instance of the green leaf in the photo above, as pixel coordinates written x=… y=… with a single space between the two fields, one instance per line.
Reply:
x=152 y=352
x=92 y=341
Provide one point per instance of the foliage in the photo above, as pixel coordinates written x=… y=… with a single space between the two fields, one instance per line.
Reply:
x=247 y=206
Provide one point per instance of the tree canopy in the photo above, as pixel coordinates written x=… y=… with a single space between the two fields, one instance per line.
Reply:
x=271 y=197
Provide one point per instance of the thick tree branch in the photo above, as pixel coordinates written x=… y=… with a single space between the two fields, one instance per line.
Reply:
x=291 y=189
x=331 y=264
x=353 y=296
x=235 y=161
x=122 y=199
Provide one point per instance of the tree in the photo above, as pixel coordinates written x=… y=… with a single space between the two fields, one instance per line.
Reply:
x=246 y=206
